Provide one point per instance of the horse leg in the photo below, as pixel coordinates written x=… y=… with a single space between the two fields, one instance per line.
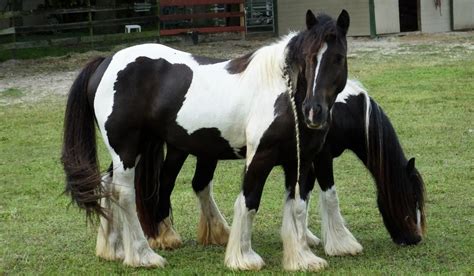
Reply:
x=125 y=156
x=296 y=252
x=239 y=253
x=213 y=228
x=167 y=237
x=109 y=238
x=337 y=239
x=310 y=237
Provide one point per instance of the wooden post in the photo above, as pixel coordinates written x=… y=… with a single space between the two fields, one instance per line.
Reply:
x=242 y=19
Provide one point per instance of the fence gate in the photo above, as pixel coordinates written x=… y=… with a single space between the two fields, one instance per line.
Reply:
x=260 y=16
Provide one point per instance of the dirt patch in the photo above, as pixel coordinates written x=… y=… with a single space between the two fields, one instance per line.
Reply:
x=52 y=76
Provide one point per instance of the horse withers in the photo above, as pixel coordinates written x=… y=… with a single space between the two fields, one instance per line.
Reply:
x=256 y=105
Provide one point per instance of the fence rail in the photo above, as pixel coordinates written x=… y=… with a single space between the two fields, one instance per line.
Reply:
x=184 y=11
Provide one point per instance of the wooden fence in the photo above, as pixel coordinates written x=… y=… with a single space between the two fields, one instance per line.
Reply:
x=142 y=13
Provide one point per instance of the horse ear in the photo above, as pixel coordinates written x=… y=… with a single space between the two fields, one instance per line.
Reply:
x=310 y=19
x=343 y=21
x=411 y=166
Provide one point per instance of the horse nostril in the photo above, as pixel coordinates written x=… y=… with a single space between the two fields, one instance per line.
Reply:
x=317 y=109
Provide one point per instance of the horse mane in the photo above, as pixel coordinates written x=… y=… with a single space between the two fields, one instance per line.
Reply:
x=388 y=165
x=264 y=68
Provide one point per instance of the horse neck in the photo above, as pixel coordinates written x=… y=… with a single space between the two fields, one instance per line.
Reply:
x=385 y=157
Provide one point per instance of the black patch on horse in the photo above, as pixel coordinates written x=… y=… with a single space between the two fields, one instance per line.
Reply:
x=147 y=94
x=239 y=64
x=207 y=60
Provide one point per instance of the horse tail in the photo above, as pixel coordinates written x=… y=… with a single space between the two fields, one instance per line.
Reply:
x=79 y=153
x=147 y=185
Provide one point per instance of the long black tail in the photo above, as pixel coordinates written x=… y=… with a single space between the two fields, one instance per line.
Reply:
x=79 y=154
x=147 y=185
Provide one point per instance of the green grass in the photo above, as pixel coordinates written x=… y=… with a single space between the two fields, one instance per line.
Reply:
x=430 y=102
x=11 y=93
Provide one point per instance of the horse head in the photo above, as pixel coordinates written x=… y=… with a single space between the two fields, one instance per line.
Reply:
x=403 y=211
x=320 y=57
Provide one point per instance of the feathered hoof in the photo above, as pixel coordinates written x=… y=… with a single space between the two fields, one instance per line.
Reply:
x=109 y=248
x=244 y=261
x=304 y=260
x=147 y=258
x=166 y=243
x=168 y=238
x=343 y=247
x=312 y=239
x=110 y=255
x=212 y=233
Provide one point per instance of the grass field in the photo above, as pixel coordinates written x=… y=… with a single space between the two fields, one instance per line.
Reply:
x=426 y=88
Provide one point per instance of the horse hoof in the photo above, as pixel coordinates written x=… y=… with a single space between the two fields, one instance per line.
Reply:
x=246 y=261
x=304 y=260
x=213 y=233
x=343 y=247
x=146 y=259
x=168 y=238
x=166 y=242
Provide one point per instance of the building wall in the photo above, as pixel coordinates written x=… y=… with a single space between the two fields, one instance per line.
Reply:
x=435 y=19
x=387 y=16
x=292 y=14
x=463 y=14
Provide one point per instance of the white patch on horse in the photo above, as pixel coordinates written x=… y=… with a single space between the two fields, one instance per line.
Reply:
x=109 y=243
x=240 y=106
x=310 y=237
x=318 y=65
x=337 y=239
x=418 y=220
x=239 y=253
x=296 y=252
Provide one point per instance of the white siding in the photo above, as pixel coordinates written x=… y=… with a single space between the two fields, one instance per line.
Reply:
x=463 y=14
x=292 y=14
x=387 y=16
x=435 y=19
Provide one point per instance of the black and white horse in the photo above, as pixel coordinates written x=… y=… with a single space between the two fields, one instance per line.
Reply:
x=265 y=105
x=357 y=124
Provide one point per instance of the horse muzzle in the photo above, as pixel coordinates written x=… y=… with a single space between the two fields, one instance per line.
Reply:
x=315 y=117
